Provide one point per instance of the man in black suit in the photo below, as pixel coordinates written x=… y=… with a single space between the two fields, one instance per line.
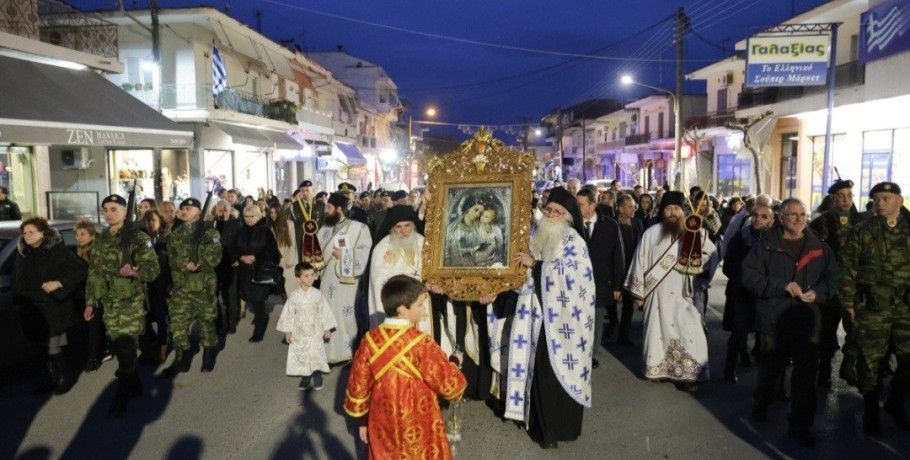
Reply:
x=605 y=248
x=631 y=231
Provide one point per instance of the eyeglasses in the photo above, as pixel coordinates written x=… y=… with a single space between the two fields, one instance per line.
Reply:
x=553 y=212
x=799 y=215
x=245 y=216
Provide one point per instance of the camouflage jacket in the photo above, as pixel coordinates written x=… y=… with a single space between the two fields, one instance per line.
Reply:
x=104 y=282
x=180 y=248
x=876 y=261
x=833 y=228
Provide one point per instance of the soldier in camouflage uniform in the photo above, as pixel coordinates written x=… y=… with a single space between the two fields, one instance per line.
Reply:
x=194 y=297
x=874 y=289
x=833 y=227
x=120 y=287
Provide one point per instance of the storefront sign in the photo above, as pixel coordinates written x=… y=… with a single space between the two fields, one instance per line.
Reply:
x=787 y=61
x=80 y=136
x=884 y=30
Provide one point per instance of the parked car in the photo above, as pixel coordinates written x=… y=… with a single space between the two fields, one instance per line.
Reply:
x=13 y=345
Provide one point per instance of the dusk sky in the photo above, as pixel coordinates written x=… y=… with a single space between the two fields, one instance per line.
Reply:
x=478 y=83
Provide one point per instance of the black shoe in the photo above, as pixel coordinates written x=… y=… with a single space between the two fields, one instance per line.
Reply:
x=760 y=413
x=689 y=387
x=847 y=371
x=232 y=329
x=256 y=338
x=208 y=359
x=730 y=376
x=895 y=408
x=608 y=331
x=624 y=341
x=92 y=365
x=801 y=435
x=304 y=383
x=59 y=374
x=180 y=364
x=872 y=422
x=317 y=381
x=595 y=363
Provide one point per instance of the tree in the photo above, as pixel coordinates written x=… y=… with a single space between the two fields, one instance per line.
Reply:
x=751 y=142
x=695 y=139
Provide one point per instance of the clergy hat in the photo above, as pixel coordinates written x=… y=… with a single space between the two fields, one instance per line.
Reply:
x=673 y=198
x=347 y=187
x=191 y=202
x=306 y=183
x=885 y=187
x=339 y=200
x=399 y=195
x=114 y=199
x=564 y=198
x=839 y=185
x=395 y=215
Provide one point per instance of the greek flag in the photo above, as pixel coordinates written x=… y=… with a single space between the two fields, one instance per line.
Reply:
x=219 y=74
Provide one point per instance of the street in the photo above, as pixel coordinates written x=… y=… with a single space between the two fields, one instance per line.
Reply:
x=248 y=409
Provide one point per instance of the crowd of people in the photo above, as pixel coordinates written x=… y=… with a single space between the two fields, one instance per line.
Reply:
x=345 y=269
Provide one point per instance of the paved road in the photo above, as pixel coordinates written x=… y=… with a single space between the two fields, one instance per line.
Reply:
x=248 y=409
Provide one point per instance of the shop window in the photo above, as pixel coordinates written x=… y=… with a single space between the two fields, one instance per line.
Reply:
x=219 y=168
x=789 y=149
x=734 y=175
x=822 y=179
x=17 y=174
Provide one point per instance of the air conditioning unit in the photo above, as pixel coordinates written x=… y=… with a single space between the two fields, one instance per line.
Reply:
x=75 y=159
x=726 y=79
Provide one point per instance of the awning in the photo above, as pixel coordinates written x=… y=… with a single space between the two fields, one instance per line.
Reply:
x=257 y=137
x=352 y=153
x=45 y=104
x=303 y=80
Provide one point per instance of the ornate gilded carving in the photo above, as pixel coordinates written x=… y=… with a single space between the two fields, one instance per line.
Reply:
x=482 y=178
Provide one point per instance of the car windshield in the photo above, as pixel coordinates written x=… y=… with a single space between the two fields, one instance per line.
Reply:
x=4 y=242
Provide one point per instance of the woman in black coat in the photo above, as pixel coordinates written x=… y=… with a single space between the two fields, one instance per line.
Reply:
x=159 y=289
x=254 y=246
x=47 y=276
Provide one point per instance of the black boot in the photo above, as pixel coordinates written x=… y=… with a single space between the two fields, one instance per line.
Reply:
x=61 y=381
x=180 y=364
x=872 y=422
x=895 y=406
x=208 y=359
x=258 y=332
x=128 y=385
x=730 y=368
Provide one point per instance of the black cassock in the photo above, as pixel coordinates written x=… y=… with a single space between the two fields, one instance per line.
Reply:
x=554 y=415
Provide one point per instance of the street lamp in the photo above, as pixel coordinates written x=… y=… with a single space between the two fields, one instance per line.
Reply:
x=677 y=150
x=431 y=112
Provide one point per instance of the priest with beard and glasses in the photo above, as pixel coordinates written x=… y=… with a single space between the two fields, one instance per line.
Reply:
x=673 y=259
x=346 y=247
x=542 y=335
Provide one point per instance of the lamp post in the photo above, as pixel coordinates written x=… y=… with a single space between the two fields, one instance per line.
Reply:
x=677 y=112
x=430 y=112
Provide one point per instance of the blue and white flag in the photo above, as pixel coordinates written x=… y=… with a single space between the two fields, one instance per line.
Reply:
x=219 y=74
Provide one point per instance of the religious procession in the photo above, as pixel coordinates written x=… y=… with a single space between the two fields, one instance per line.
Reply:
x=482 y=289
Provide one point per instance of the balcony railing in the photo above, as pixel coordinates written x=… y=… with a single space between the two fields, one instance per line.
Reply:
x=846 y=75
x=636 y=139
x=200 y=97
x=314 y=118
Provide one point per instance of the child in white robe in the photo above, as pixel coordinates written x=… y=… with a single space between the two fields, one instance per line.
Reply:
x=307 y=323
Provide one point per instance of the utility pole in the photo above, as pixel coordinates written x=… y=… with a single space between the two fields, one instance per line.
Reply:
x=559 y=140
x=259 y=20
x=584 y=151
x=156 y=33
x=682 y=25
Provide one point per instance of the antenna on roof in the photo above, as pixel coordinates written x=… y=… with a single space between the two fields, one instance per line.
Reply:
x=259 y=20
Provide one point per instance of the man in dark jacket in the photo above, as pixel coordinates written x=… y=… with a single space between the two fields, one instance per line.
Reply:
x=790 y=274
x=9 y=210
x=833 y=227
x=605 y=248
x=229 y=311
x=630 y=230
x=739 y=310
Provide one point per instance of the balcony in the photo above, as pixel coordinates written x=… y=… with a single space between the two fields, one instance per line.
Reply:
x=307 y=116
x=200 y=97
x=846 y=75
x=719 y=119
x=636 y=139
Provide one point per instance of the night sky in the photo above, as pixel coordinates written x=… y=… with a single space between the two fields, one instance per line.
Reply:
x=471 y=83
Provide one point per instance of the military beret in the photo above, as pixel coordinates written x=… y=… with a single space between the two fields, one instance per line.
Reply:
x=191 y=202
x=339 y=200
x=114 y=199
x=399 y=195
x=306 y=183
x=384 y=194
x=321 y=194
x=346 y=187
x=838 y=185
x=365 y=195
x=885 y=187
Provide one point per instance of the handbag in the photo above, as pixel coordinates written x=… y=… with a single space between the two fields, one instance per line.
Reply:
x=267 y=275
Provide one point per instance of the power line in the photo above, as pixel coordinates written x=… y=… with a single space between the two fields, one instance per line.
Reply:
x=459 y=39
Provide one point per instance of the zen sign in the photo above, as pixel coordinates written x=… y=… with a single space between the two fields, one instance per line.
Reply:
x=787 y=61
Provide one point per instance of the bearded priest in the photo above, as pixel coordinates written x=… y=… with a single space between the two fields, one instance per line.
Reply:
x=346 y=247
x=671 y=258
x=541 y=336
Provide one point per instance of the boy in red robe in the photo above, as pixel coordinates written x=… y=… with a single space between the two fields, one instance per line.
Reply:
x=397 y=373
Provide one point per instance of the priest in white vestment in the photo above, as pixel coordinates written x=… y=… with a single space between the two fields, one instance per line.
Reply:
x=346 y=247
x=542 y=339
x=672 y=258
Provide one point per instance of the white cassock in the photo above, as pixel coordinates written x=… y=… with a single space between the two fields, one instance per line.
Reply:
x=305 y=317
x=388 y=262
x=675 y=346
x=339 y=280
x=566 y=314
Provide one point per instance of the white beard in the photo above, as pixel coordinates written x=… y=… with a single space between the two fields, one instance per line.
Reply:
x=407 y=245
x=546 y=243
